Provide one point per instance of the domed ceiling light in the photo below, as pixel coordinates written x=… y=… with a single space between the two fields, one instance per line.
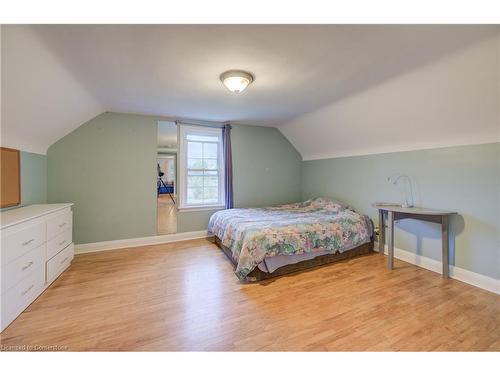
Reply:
x=236 y=80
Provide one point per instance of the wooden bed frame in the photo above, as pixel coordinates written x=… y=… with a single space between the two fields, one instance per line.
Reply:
x=258 y=275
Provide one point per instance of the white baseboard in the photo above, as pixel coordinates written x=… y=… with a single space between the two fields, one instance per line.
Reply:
x=141 y=241
x=469 y=277
x=484 y=282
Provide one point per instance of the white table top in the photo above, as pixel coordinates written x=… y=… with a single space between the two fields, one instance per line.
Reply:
x=19 y=215
x=411 y=210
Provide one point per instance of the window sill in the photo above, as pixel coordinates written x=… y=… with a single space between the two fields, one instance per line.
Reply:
x=200 y=208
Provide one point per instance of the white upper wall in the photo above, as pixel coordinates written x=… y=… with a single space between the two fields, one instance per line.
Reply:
x=41 y=100
x=450 y=101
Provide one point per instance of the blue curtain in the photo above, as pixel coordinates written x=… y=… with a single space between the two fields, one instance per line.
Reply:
x=228 y=166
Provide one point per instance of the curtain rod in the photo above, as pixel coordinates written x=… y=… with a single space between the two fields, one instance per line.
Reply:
x=202 y=123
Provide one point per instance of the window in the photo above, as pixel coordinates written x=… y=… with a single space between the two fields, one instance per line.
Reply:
x=201 y=167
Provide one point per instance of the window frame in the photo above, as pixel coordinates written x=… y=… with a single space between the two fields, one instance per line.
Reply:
x=185 y=130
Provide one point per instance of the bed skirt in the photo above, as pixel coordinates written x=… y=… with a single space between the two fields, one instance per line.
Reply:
x=258 y=275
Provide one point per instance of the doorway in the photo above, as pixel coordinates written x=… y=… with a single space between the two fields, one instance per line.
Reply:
x=167 y=178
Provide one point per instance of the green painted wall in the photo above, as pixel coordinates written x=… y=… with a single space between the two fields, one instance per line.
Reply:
x=33 y=179
x=266 y=171
x=107 y=168
x=465 y=179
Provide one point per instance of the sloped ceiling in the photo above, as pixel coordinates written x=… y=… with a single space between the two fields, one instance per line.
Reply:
x=450 y=101
x=41 y=99
x=55 y=77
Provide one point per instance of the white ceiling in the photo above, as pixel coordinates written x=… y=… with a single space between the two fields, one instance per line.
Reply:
x=451 y=101
x=41 y=99
x=55 y=77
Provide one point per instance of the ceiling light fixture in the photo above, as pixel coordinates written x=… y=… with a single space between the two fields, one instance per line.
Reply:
x=236 y=80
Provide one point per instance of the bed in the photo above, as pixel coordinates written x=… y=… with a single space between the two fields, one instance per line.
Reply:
x=273 y=241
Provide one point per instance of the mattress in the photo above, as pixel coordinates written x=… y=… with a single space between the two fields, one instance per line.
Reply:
x=269 y=237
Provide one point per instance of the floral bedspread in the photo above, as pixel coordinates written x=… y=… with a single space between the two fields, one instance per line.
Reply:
x=319 y=224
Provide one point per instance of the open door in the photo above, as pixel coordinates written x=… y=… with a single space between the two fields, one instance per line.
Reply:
x=167 y=178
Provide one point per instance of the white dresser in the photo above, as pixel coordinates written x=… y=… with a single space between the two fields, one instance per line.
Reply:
x=36 y=247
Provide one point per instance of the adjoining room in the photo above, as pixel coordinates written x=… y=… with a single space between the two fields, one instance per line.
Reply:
x=167 y=176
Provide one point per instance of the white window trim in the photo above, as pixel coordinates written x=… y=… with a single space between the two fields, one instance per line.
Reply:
x=182 y=168
x=201 y=208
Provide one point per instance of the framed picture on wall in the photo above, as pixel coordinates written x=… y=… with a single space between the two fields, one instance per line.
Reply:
x=10 y=168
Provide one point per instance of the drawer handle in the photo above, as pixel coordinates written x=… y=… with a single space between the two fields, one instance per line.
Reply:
x=64 y=260
x=61 y=243
x=28 y=242
x=27 y=266
x=27 y=290
x=62 y=225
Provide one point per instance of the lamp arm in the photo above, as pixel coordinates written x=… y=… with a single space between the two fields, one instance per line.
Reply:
x=411 y=191
x=395 y=180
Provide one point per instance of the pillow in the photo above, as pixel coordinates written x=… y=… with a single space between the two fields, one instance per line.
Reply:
x=327 y=204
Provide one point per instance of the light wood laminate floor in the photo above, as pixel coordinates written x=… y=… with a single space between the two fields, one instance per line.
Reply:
x=184 y=296
x=166 y=215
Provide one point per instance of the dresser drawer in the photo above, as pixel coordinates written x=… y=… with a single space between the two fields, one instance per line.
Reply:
x=22 y=267
x=58 y=243
x=17 y=243
x=59 y=263
x=59 y=223
x=17 y=298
